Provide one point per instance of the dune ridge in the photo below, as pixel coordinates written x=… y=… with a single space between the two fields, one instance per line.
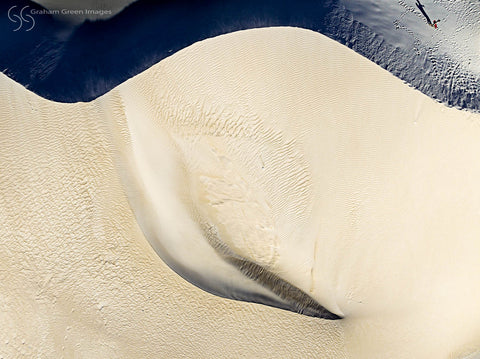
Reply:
x=71 y=64
x=365 y=191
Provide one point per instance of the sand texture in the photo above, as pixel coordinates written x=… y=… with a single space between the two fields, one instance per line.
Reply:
x=275 y=146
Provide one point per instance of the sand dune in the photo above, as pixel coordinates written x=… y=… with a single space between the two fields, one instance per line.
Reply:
x=286 y=148
x=71 y=64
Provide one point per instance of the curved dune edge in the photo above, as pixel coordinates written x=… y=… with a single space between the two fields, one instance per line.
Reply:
x=74 y=253
x=78 y=278
x=370 y=187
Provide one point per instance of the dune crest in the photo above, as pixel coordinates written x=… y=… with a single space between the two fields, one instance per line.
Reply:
x=368 y=187
x=296 y=155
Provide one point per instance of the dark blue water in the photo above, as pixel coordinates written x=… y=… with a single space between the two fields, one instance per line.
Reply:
x=79 y=64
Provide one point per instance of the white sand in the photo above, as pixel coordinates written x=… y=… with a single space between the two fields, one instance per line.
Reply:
x=306 y=158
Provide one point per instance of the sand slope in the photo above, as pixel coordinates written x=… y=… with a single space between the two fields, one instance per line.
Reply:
x=296 y=153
